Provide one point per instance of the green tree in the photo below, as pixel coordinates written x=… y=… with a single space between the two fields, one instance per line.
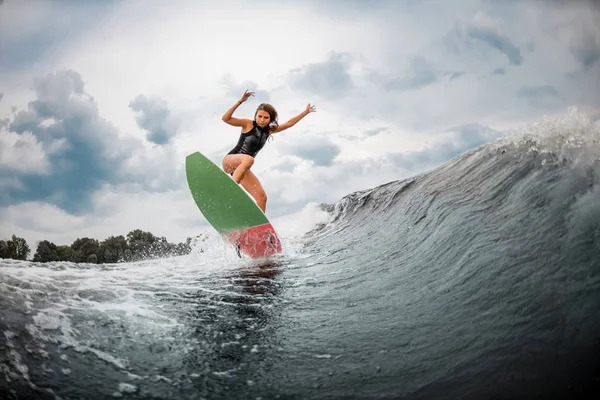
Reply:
x=114 y=249
x=65 y=253
x=161 y=247
x=137 y=245
x=141 y=244
x=3 y=249
x=45 y=252
x=182 y=248
x=16 y=248
x=83 y=248
x=22 y=249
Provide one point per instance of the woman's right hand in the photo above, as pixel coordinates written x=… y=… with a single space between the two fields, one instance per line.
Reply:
x=245 y=96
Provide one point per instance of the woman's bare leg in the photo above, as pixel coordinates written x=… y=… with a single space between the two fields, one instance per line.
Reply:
x=238 y=164
x=253 y=186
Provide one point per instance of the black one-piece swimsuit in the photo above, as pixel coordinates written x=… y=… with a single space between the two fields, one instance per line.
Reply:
x=250 y=142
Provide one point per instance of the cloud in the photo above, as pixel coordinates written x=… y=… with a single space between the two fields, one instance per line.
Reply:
x=498 y=41
x=330 y=79
x=286 y=164
x=483 y=30
x=473 y=135
x=499 y=71
x=586 y=49
x=459 y=140
x=318 y=150
x=79 y=146
x=236 y=90
x=1 y=96
x=32 y=30
x=576 y=25
x=22 y=154
x=375 y=131
x=153 y=115
x=539 y=96
x=321 y=155
x=456 y=75
x=61 y=151
x=420 y=73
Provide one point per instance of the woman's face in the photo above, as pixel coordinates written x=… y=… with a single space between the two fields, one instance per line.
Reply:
x=262 y=118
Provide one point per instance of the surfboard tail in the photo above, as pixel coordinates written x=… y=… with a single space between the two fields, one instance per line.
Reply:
x=256 y=241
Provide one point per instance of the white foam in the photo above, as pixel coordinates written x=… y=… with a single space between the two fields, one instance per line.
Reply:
x=72 y=304
x=292 y=227
x=301 y=222
x=127 y=388
x=571 y=136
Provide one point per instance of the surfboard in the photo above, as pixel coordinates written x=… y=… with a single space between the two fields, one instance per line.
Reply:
x=230 y=209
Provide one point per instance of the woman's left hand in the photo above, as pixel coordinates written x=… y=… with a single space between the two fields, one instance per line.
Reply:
x=310 y=109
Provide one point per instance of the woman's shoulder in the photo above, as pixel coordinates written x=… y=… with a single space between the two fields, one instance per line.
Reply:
x=249 y=126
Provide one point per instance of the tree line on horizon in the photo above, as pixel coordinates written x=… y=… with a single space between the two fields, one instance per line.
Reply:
x=137 y=245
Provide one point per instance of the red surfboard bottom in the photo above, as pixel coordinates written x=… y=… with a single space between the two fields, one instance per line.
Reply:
x=257 y=241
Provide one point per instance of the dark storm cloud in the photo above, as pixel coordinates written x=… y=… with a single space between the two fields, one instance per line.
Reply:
x=154 y=116
x=329 y=79
x=82 y=149
x=463 y=138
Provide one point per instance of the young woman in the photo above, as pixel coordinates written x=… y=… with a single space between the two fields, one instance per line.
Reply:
x=254 y=134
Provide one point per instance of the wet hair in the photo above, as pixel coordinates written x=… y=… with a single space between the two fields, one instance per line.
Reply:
x=273 y=123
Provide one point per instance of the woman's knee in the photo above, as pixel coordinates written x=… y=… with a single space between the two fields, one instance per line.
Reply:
x=229 y=163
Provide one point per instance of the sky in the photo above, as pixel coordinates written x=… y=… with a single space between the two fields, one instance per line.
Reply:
x=100 y=101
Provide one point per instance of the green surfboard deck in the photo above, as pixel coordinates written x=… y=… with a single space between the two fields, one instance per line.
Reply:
x=224 y=204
